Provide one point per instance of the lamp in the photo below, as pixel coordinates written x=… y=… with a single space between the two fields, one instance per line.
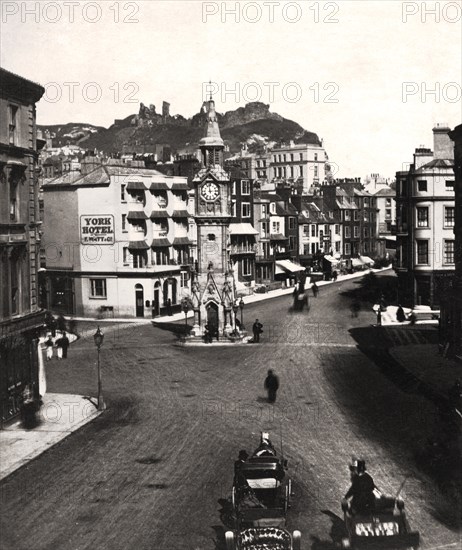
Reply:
x=98 y=337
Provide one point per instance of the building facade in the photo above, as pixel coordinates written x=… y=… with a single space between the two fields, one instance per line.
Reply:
x=117 y=240
x=20 y=314
x=425 y=256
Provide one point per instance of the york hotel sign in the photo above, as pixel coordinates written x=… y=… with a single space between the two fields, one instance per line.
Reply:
x=97 y=229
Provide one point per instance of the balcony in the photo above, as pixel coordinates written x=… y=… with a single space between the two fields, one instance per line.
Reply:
x=242 y=249
x=135 y=205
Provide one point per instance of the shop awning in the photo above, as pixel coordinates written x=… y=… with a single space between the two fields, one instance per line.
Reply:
x=366 y=260
x=158 y=214
x=356 y=262
x=158 y=186
x=242 y=229
x=180 y=186
x=330 y=259
x=160 y=243
x=286 y=266
x=278 y=237
x=180 y=214
x=138 y=245
x=136 y=216
x=136 y=186
x=181 y=241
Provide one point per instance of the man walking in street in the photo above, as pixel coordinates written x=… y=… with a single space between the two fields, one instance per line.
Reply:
x=271 y=386
x=315 y=289
x=257 y=330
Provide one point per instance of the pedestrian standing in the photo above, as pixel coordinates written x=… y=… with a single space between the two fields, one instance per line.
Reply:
x=400 y=317
x=271 y=386
x=169 y=307
x=59 y=348
x=65 y=345
x=334 y=276
x=315 y=289
x=257 y=330
x=49 y=348
x=379 y=317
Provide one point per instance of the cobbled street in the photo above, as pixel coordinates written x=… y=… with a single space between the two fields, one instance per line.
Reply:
x=155 y=470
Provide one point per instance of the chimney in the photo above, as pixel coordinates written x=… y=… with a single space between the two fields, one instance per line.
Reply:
x=443 y=148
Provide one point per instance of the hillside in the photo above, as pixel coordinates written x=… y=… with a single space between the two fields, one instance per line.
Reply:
x=253 y=124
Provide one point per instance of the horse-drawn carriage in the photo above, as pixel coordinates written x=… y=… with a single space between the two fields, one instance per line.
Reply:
x=260 y=498
x=383 y=526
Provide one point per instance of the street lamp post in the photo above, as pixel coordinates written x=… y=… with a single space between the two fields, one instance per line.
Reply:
x=241 y=305
x=98 y=337
x=185 y=307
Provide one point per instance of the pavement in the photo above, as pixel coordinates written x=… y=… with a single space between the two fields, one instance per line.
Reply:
x=59 y=416
x=62 y=414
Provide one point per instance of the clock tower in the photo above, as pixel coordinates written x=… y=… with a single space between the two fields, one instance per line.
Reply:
x=213 y=288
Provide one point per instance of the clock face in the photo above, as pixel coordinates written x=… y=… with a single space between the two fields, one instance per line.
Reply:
x=210 y=191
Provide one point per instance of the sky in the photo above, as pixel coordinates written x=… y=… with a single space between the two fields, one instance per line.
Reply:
x=369 y=77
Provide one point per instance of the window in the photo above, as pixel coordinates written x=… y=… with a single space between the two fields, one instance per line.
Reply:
x=422 y=252
x=273 y=208
x=337 y=229
x=301 y=171
x=422 y=216
x=347 y=249
x=313 y=248
x=316 y=156
x=275 y=227
x=450 y=185
x=160 y=256
x=13 y=208
x=356 y=231
x=449 y=252
x=126 y=256
x=245 y=187
x=264 y=229
x=264 y=210
x=313 y=230
x=337 y=246
x=356 y=215
x=183 y=279
x=233 y=192
x=326 y=230
x=366 y=247
x=291 y=157
x=292 y=242
x=366 y=232
x=246 y=209
x=306 y=230
x=347 y=232
x=366 y=202
x=387 y=202
x=449 y=216
x=284 y=158
x=301 y=156
x=246 y=267
x=421 y=185
x=331 y=213
x=292 y=172
x=98 y=288
x=316 y=171
x=12 y=116
x=347 y=215
x=122 y=193
x=233 y=209
x=291 y=223
x=139 y=259
x=388 y=213
x=124 y=222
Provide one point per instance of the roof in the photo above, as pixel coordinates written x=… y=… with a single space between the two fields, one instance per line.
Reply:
x=385 y=192
x=180 y=186
x=242 y=229
x=136 y=186
x=14 y=85
x=158 y=186
x=215 y=170
x=436 y=163
x=159 y=214
x=278 y=237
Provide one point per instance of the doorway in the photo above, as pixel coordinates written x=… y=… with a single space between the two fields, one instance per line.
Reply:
x=139 y=300
x=212 y=319
x=156 y=300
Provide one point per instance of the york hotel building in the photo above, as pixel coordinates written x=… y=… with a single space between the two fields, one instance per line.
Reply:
x=117 y=240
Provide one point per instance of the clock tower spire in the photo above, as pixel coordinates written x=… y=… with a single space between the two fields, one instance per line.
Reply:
x=213 y=288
